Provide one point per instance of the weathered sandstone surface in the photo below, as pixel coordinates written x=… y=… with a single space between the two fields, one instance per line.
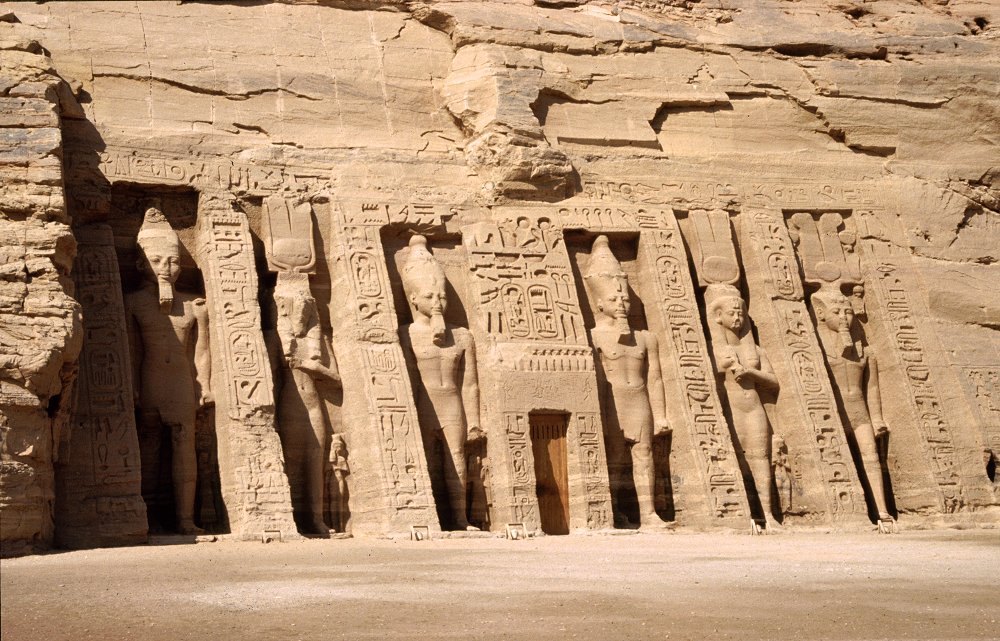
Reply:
x=393 y=266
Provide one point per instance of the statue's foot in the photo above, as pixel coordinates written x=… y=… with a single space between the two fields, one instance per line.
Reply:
x=622 y=522
x=465 y=525
x=772 y=526
x=653 y=523
x=189 y=528
x=318 y=526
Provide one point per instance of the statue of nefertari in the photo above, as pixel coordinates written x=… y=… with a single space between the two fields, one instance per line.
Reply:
x=302 y=422
x=855 y=383
x=745 y=370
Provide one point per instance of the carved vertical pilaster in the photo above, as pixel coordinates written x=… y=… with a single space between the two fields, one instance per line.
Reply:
x=388 y=463
x=807 y=408
x=98 y=481
x=254 y=485
x=920 y=368
x=689 y=368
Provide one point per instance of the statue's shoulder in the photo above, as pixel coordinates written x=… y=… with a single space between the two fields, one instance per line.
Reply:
x=136 y=298
x=647 y=337
x=461 y=336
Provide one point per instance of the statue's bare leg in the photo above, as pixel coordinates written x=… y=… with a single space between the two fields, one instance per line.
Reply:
x=315 y=471
x=614 y=445
x=185 y=475
x=340 y=513
x=756 y=444
x=314 y=456
x=642 y=475
x=864 y=435
x=455 y=472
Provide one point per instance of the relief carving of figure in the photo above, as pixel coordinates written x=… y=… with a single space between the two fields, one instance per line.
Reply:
x=302 y=424
x=631 y=365
x=745 y=369
x=340 y=469
x=167 y=328
x=855 y=382
x=445 y=357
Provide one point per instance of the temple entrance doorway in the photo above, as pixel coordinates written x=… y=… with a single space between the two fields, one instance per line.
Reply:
x=548 y=445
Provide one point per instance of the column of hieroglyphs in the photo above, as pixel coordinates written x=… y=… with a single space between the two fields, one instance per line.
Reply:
x=302 y=421
x=98 y=490
x=825 y=483
x=535 y=358
x=254 y=485
x=948 y=473
x=391 y=490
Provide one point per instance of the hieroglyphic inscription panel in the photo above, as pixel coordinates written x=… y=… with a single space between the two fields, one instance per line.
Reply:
x=100 y=498
x=523 y=280
x=886 y=265
x=769 y=254
x=933 y=424
x=759 y=193
x=521 y=470
x=399 y=432
x=254 y=486
x=587 y=435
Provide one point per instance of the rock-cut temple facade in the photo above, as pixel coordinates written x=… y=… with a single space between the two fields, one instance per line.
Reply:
x=272 y=270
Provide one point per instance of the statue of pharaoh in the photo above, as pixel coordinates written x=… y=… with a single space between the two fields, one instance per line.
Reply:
x=165 y=328
x=631 y=364
x=445 y=356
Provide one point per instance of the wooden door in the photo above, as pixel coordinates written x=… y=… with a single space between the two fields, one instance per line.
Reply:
x=548 y=444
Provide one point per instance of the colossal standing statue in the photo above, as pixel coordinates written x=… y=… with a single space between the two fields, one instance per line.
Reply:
x=165 y=328
x=445 y=357
x=302 y=424
x=744 y=368
x=855 y=382
x=631 y=365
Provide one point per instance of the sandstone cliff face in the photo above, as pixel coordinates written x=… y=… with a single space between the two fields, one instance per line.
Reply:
x=885 y=112
x=40 y=333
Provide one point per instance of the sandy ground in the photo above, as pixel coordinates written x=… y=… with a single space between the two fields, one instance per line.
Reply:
x=921 y=585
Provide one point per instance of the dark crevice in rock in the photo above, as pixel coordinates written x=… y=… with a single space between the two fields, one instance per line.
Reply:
x=208 y=91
